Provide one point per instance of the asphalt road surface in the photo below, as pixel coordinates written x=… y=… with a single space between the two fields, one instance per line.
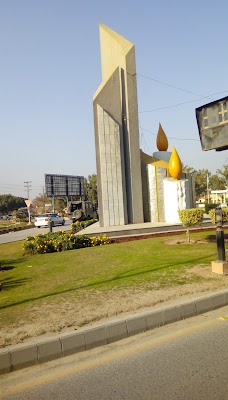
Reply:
x=186 y=360
x=21 y=235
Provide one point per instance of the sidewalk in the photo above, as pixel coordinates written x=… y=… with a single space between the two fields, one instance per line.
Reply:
x=36 y=352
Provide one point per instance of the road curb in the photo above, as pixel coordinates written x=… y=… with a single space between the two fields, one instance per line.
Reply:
x=20 y=356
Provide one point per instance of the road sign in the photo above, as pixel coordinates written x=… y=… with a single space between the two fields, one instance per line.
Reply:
x=28 y=203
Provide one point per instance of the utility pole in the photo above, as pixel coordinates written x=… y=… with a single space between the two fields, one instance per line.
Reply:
x=28 y=187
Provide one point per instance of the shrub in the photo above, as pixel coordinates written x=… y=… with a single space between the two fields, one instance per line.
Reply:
x=79 y=225
x=61 y=241
x=224 y=215
x=191 y=217
x=209 y=207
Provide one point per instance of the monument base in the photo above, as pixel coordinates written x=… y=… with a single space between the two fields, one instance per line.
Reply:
x=220 y=267
x=177 y=196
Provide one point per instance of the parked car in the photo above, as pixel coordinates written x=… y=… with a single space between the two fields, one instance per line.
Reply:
x=43 y=220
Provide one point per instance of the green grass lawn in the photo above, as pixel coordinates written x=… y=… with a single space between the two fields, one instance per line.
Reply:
x=137 y=263
x=11 y=224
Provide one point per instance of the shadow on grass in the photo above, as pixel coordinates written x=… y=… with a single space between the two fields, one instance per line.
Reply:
x=128 y=274
x=212 y=238
x=6 y=268
x=10 y=283
x=5 y=263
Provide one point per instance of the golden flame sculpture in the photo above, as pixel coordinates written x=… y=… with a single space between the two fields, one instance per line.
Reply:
x=175 y=165
x=162 y=141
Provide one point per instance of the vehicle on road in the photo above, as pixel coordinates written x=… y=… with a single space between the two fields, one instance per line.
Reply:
x=43 y=220
x=81 y=210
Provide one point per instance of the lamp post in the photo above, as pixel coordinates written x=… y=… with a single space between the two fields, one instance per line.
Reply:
x=50 y=224
x=220 y=235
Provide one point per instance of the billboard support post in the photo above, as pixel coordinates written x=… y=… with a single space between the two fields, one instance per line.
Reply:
x=53 y=204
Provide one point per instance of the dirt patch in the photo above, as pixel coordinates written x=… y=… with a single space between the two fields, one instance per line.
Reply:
x=71 y=311
x=185 y=241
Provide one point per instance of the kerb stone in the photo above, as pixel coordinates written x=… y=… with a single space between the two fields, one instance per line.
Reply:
x=24 y=356
x=49 y=350
x=5 y=362
x=172 y=314
x=116 y=331
x=72 y=343
x=203 y=305
x=136 y=325
x=95 y=337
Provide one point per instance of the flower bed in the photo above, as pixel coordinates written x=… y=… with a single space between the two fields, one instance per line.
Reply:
x=61 y=241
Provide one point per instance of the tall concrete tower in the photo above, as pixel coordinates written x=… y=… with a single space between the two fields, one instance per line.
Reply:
x=117 y=133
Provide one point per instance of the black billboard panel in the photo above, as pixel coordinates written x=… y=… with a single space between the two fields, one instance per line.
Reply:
x=212 y=120
x=64 y=185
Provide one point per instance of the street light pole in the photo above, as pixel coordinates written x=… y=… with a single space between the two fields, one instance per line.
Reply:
x=220 y=266
x=220 y=235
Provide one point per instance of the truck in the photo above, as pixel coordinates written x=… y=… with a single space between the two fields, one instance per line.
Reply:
x=81 y=210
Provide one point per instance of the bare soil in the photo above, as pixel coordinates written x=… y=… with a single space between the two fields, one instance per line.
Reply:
x=70 y=312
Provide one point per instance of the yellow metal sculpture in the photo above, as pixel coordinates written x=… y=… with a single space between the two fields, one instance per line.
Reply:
x=162 y=141
x=175 y=165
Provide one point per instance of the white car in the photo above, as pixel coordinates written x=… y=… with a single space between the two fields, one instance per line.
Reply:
x=43 y=220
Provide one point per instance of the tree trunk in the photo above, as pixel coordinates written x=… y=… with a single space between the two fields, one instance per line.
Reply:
x=188 y=235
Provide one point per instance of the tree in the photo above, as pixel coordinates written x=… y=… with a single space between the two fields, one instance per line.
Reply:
x=201 y=180
x=42 y=199
x=39 y=203
x=223 y=173
x=190 y=217
x=216 y=183
x=9 y=203
x=90 y=188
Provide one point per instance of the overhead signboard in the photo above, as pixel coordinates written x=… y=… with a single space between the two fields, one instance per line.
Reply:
x=64 y=185
x=212 y=120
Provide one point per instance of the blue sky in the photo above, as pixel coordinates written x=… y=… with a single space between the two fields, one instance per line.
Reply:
x=50 y=69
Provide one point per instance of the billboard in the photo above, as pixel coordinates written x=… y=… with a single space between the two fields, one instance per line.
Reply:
x=212 y=120
x=64 y=185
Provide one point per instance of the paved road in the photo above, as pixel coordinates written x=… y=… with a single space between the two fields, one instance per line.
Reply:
x=21 y=235
x=187 y=360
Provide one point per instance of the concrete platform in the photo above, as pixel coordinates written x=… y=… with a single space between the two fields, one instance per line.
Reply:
x=146 y=228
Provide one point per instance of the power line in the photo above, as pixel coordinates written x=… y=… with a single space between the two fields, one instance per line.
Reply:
x=16 y=186
x=201 y=97
x=180 y=104
x=169 y=137
x=144 y=139
x=173 y=86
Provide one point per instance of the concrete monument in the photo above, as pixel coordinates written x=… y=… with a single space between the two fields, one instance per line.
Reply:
x=133 y=187
x=117 y=133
